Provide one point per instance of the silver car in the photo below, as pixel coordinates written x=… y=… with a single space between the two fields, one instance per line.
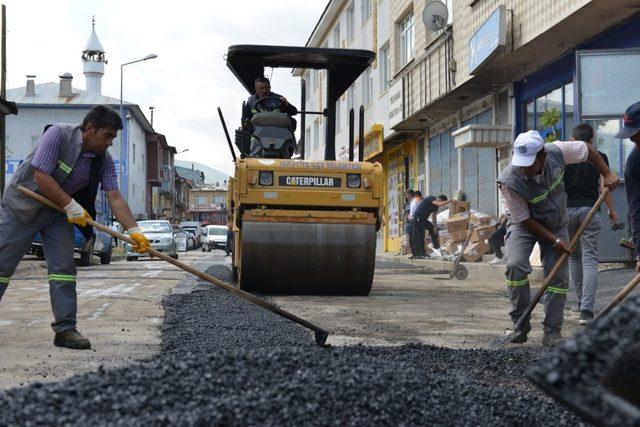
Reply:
x=161 y=238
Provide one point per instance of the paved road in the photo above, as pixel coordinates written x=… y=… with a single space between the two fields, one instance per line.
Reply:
x=119 y=310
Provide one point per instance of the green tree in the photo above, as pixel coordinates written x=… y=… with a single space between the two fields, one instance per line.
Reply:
x=550 y=118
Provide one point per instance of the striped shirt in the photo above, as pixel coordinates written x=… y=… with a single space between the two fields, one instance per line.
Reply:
x=46 y=157
x=572 y=151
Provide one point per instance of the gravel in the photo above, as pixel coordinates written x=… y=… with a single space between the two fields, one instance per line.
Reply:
x=602 y=360
x=225 y=362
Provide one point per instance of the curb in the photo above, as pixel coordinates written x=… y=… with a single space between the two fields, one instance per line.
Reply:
x=477 y=270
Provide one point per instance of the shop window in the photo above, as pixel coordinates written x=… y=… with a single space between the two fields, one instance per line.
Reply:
x=550 y=113
x=567 y=116
x=616 y=150
x=530 y=122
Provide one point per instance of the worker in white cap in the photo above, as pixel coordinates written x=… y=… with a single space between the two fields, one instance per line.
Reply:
x=533 y=190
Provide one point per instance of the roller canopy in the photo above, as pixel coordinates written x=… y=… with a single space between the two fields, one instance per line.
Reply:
x=344 y=66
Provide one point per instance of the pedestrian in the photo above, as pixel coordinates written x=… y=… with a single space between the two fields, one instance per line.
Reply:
x=66 y=166
x=417 y=197
x=408 y=197
x=496 y=241
x=427 y=207
x=583 y=185
x=631 y=130
x=533 y=190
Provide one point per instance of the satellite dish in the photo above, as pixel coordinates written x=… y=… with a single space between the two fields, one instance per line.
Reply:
x=435 y=15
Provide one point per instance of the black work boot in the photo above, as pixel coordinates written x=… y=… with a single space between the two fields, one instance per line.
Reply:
x=71 y=338
x=551 y=338
x=586 y=317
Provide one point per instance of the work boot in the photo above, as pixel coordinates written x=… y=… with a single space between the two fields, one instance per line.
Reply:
x=520 y=339
x=551 y=338
x=71 y=338
x=586 y=317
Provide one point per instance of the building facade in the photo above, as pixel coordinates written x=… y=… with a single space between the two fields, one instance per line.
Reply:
x=208 y=204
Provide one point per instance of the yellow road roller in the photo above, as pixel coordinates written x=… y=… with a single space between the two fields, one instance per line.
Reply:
x=301 y=226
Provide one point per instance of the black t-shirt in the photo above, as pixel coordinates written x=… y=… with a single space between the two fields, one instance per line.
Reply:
x=582 y=183
x=425 y=208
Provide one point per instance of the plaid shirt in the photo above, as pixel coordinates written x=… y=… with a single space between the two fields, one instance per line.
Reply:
x=572 y=151
x=45 y=159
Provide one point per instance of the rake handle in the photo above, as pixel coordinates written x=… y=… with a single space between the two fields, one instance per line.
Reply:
x=204 y=276
x=552 y=274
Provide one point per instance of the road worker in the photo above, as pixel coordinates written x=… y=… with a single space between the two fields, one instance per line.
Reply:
x=533 y=189
x=67 y=166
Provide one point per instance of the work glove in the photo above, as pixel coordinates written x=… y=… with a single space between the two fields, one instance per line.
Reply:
x=141 y=243
x=76 y=214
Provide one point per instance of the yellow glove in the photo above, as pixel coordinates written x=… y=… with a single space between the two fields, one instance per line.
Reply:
x=141 y=243
x=76 y=214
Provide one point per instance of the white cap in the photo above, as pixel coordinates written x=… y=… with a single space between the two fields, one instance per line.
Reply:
x=526 y=147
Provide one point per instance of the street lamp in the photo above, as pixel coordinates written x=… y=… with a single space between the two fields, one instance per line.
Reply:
x=146 y=58
x=183 y=151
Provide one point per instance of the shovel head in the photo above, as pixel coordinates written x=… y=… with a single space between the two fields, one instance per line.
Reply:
x=506 y=339
x=321 y=336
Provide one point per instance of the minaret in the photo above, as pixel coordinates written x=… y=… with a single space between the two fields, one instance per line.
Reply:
x=93 y=61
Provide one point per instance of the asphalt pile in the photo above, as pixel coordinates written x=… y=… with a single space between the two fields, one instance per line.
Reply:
x=596 y=371
x=226 y=362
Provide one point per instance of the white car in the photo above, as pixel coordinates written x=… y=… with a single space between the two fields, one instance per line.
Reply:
x=214 y=237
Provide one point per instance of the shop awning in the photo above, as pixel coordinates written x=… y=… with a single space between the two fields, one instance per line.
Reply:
x=482 y=136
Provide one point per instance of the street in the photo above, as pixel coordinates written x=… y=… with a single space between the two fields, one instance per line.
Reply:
x=120 y=311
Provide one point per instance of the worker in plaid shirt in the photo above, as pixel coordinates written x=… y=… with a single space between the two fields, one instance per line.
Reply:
x=67 y=165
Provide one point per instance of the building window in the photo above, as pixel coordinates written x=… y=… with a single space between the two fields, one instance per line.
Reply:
x=350 y=24
x=367 y=84
x=365 y=8
x=316 y=135
x=383 y=60
x=336 y=37
x=307 y=137
x=201 y=200
x=133 y=153
x=308 y=85
x=218 y=200
x=406 y=39
x=314 y=80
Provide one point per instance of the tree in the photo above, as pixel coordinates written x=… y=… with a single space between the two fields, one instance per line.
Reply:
x=550 y=118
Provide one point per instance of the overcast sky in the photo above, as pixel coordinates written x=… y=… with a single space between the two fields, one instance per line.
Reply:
x=187 y=81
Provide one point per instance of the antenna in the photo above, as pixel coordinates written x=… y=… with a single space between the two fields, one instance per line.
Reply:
x=435 y=15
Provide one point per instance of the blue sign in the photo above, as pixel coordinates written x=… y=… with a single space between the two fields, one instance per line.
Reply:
x=488 y=39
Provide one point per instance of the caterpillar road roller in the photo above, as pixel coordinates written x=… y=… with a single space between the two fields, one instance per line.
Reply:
x=301 y=226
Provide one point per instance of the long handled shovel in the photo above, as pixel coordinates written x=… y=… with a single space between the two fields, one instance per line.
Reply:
x=517 y=330
x=621 y=295
x=320 y=334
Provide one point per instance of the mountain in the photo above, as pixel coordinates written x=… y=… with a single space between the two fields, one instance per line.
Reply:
x=211 y=175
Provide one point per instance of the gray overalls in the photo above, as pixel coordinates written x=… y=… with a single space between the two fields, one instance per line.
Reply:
x=21 y=218
x=547 y=202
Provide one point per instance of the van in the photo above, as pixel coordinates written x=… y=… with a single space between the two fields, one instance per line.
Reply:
x=215 y=237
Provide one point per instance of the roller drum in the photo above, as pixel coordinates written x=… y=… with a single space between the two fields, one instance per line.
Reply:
x=303 y=258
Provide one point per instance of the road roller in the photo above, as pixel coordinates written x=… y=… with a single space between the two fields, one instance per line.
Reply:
x=301 y=226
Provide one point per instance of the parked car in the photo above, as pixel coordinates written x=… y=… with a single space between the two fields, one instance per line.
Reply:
x=215 y=237
x=100 y=245
x=181 y=241
x=160 y=235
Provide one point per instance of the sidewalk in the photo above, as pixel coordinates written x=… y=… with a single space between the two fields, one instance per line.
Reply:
x=477 y=270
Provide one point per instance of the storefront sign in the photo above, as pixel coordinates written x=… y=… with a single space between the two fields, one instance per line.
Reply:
x=607 y=81
x=396 y=103
x=488 y=40
x=211 y=207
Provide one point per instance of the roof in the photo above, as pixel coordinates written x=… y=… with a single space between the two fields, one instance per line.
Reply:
x=194 y=175
x=48 y=95
x=247 y=62
x=93 y=44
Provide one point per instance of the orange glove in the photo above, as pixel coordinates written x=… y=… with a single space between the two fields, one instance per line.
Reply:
x=141 y=244
x=76 y=214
